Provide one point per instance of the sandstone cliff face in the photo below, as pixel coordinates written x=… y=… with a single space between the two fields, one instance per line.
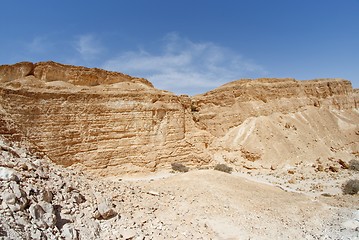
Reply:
x=52 y=71
x=114 y=123
x=271 y=122
x=123 y=123
x=239 y=100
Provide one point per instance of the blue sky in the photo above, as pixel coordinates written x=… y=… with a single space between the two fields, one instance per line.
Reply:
x=188 y=46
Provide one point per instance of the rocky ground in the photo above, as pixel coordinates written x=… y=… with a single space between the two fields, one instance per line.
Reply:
x=40 y=200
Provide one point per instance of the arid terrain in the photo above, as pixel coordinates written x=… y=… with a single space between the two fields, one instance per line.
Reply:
x=89 y=154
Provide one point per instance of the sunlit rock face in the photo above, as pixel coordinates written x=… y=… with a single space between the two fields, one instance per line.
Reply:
x=112 y=123
x=270 y=122
x=97 y=118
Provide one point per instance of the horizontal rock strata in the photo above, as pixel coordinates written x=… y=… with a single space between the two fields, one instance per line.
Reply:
x=239 y=100
x=113 y=122
x=124 y=122
x=270 y=122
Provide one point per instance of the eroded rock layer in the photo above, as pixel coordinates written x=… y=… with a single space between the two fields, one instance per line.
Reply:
x=123 y=123
x=115 y=123
x=239 y=100
x=272 y=122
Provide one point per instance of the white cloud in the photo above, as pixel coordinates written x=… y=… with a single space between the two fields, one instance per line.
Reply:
x=185 y=67
x=88 y=46
x=180 y=65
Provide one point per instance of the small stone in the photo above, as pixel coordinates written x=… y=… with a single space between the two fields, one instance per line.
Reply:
x=9 y=197
x=43 y=214
x=78 y=198
x=37 y=163
x=22 y=202
x=320 y=168
x=343 y=164
x=291 y=171
x=30 y=166
x=153 y=193
x=292 y=181
x=10 y=150
x=7 y=174
x=69 y=232
x=47 y=196
x=128 y=234
x=326 y=195
x=333 y=169
x=250 y=166
x=23 y=166
x=16 y=189
x=36 y=211
x=105 y=211
x=97 y=215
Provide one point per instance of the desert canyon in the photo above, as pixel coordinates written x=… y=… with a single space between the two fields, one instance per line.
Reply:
x=88 y=154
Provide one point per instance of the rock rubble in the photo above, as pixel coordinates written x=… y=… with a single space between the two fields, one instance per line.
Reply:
x=40 y=200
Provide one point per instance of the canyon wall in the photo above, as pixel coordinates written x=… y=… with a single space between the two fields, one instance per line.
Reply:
x=112 y=123
x=123 y=123
x=267 y=123
x=239 y=100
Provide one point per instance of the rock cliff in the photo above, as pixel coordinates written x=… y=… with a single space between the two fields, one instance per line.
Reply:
x=242 y=99
x=271 y=122
x=113 y=123
x=96 y=118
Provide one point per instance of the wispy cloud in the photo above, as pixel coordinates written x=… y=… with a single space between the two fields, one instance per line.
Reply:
x=39 y=44
x=88 y=46
x=179 y=65
x=184 y=66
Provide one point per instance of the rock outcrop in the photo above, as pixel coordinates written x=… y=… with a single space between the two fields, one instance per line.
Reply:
x=271 y=122
x=240 y=100
x=97 y=118
x=112 y=123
